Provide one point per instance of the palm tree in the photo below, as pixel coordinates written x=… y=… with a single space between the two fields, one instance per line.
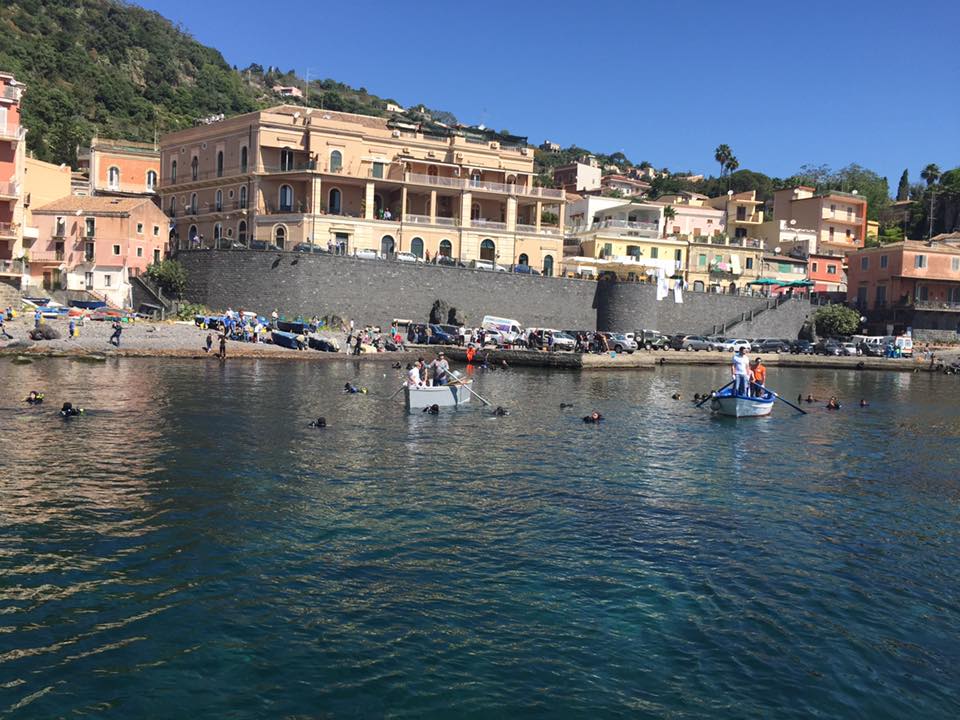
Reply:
x=931 y=173
x=668 y=214
x=731 y=164
x=721 y=155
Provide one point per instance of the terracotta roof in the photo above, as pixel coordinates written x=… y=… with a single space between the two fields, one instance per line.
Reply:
x=93 y=204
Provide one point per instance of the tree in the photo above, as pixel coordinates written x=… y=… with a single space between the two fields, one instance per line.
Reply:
x=731 y=165
x=170 y=275
x=722 y=154
x=931 y=173
x=668 y=214
x=836 y=320
x=903 y=187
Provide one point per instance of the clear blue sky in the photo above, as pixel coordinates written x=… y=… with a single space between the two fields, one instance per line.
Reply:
x=869 y=81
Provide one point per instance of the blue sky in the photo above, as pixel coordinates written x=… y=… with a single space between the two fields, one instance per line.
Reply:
x=782 y=83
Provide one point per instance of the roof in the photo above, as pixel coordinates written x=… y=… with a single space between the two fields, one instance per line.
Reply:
x=93 y=205
x=922 y=246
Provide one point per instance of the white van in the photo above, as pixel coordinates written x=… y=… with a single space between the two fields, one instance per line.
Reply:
x=905 y=343
x=509 y=329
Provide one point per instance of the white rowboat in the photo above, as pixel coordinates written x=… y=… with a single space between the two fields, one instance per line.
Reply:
x=728 y=403
x=419 y=398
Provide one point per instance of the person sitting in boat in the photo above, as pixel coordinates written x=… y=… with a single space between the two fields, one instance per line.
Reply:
x=320 y=422
x=758 y=377
x=68 y=410
x=413 y=375
x=441 y=370
x=593 y=417
x=34 y=398
x=740 y=370
x=432 y=410
x=834 y=404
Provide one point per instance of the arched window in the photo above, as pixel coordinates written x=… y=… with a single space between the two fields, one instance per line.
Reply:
x=218 y=202
x=523 y=259
x=195 y=168
x=220 y=163
x=173 y=207
x=475 y=211
x=446 y=248
x=548 y=265
x=113 y=178
x=475 y=177
x=243 y=196
x=488 y=250
x=243 y=159
x=286 y=159
x=336 y=161
x=193 y=204
x=192 y=233
x=286 y=198
x=151 y=180
x=698 y=285
x=217 y=233
x=173 y=171
x=387 y=245
x=333 y=202
x=416 y=247
x=242 y=231
x=279 y=236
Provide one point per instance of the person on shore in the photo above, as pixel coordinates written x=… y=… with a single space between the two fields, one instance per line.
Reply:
x=358 y=347
x=274 y=316
x=71 y=329
x=441 y=370
x=209 y=343
x=740 y=370
x=68 y=410
x=320 y=422
x=593 y=417
x=3 y=329
x=223 y=346
x=37 y=318
x=834 y=404
x=758 y=377
x=34 y=398
x=117 y=329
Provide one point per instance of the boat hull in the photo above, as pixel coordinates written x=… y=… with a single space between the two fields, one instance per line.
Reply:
x=730 y=405
x=444 y=396
x=284 y=339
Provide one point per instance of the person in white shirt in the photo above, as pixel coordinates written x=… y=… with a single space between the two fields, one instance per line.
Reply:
x=740 y=369
x=413 y=376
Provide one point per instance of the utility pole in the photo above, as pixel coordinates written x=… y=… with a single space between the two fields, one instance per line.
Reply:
x=306 y=89
x=930 y=231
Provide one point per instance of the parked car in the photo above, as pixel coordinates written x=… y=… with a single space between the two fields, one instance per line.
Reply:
x=848 y=348
x=619 y=342
x=525 y=270
x=263 y=245
x=871 y=349
x=448 y=262
x=486 y=265
x=828 y=346
x=439 y=336
x=756 y=343
x=651 y=339
x=308 y=248
x=494 y=337
x=367 y=254
x=773 y=346
x=238 y=246
x=734 y=345
x=801 y=347
x=407 y=257
x=563 y=341
x=691 y=342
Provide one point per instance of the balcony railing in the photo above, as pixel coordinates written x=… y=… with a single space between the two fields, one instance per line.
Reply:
x=936 y=305
x=7 y=230
x=302 y=166
x=188 y=177
x=842 y=216
x=626 y=225
x=12 y=267
x=45 y=256
x=490 y=224
x=9 y=189
x=468 y=184
x=12 y=132
x=10 y=93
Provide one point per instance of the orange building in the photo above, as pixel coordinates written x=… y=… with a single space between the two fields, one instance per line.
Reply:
x=96 y=244
x=121 y=168
x=839 y=218
x=911 y=272
x=12 y=136
x=828 y=273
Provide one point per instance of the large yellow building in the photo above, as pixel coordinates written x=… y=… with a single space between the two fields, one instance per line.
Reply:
x=291 y=175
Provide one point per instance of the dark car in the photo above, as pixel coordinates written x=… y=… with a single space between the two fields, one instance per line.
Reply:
x=828 y=347
x=773 y=346
x=439 y=336
x=525 y=270
x=263 y=245
x=651 y=340
x=449 y=262
x=871 y=349
x=308 y=248
x=801 y=347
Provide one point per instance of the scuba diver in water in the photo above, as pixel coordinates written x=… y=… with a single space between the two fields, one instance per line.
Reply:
x=351 y=388
x=593 y=417
x=320 y=422
x=433 y=409
x=68 y=410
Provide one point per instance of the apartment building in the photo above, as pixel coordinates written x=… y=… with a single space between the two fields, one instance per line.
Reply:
x=828 y=273
x=582 y=176
x=291 y=175
x=692 y=216
x=784 y=269
x=96 y=244
x=744 y=213
x=624 y=186
x=121 y=168
x=724 y=264
x=839 y=218
x=12 y=157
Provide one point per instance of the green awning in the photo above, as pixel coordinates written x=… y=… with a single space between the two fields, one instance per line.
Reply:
x=798 y=283
x=765 y=281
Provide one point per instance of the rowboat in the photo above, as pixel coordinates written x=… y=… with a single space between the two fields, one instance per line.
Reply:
x=323 y=344
x=296 y=327
x=285 y=339
x=443 y=396
x=727 y=402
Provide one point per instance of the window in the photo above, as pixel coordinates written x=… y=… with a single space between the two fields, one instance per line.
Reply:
x=116 y=249
x=139 y=252
x=192 y=232
x=833 y=209
x=195 y=168
x=475 y=211
x=607 y=250
x=955 y=264
x=831 y=269
x=217 y=233
x=139 y=228
x=333 y=204
x=881 y=294
x=107 y=280
x=831 y=234
x=702 y=260
x=740 y=232
x=173 y=171
x=173 y=207
x=488 y=250
x=193 y=204
x=243 y=196
x=377 y=170
x=280 y=236
x=523 y=259
x=416 y=247
x=920 y=261
x=113 y=178
x=242 y=232
x=243 y=159
x=749 y=263
x=864 y=263
x=862 y=296
x=883 y=261
x=741 y=212
x=286 y=198
x=218 y=201
x=634 y=251
x=58 y=250
x=654 y=253
x=813 y=267
x=548 y=265
x=848 y=233
x=61 y=228
x=90 y=227
x=849 y=212
x=88 y=280
x=387 y=245
x=151 y=180
x=156 y=256
x=678 y=255
x=286 y=160
x=156 y=231
x=220 y=163
x=446 y=248
x=336 y=161
x=923 y=293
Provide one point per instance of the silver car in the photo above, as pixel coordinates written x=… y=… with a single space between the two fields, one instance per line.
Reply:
x=619 y=342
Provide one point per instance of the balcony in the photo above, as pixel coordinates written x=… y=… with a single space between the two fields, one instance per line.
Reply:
x=936 y=305
x=12 y=267
x=12 y=132
x=7 y=230
x=9 y=190
x=754 y=219
x=46 y=256
x=842 y=217
x=10 y=93
x=489 y=224
x=626 y=225
x=469 y=184
x=303 y=166
x=187 y=177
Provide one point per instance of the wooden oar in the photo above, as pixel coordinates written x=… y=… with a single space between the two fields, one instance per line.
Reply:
x=781 y=399
x=461 y=382
x=398 y=390
x=708 y=397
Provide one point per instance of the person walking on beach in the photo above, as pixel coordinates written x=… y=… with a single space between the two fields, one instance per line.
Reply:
x=740 y=369
x=3 y=329
x=71 y=329
x=209 y=343
x=358 y=348
x=117 y=329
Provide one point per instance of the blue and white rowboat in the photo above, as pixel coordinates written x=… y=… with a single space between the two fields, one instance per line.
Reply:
x=727 y=402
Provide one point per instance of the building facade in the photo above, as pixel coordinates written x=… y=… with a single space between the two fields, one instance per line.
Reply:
x=828 y=273
x=724 y=264
x=96 y=244
x=121 y=168
x=784 y=269
x=582 y=176
x=840 y=219
x=291 y=175
x=692 y=217
x=12 y=157
x=625 y=186
x=743 y=213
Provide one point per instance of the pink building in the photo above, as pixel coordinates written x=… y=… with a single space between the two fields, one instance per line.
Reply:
x=97 y=244
x=11 y=171
x=692 y=216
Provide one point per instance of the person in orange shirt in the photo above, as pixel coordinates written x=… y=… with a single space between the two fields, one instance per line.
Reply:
x=758 y=376
x=471 y=354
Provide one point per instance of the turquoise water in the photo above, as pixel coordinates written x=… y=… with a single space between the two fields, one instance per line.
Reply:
x=190 y=548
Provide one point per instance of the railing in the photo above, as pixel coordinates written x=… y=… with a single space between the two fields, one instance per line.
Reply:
x=448 y=221
x=12 y=132
x=12 y=267
x=755 y=218
x=298 y=207
x=625 y=224
x=718 y=241
x=418 y=219
x=45 y=256
x=291 y=167
x=491 y=224
x=10 y=93
x=936 y=305
x=521 y=227
x=185 y=176
x=468 y=184
x=437 y=180
x=842 y=216
x=6 y=229
x=9 y=189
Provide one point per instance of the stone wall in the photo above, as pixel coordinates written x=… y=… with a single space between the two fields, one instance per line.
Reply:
x=376 y=291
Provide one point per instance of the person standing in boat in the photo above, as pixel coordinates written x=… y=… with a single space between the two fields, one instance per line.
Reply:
x=740 y=369
x=759 y=377
x=441 y=369
x=413 y=376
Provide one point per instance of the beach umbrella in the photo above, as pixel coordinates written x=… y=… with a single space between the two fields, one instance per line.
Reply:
x=799 y=283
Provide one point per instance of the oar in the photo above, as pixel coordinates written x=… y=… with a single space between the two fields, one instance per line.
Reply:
x=715 y=392
x=460 y=382
x=398 y=390
x=781 y=399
